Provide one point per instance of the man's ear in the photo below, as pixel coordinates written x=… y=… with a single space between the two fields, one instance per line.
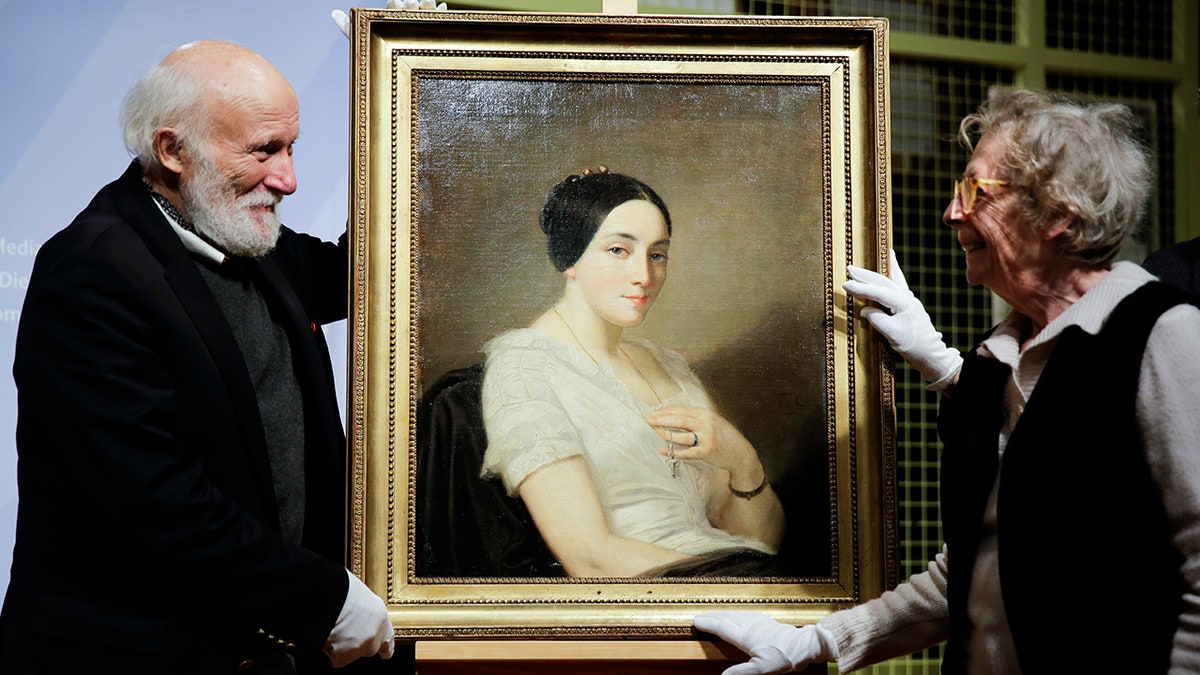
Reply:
x=169 y=149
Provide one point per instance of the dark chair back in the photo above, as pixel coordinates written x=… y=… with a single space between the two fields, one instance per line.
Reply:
x=467 y=526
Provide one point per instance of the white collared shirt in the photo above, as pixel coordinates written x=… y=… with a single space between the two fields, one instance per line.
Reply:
x=192 y=241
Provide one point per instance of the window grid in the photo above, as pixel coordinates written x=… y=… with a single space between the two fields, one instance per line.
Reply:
x=984 y=20
x=1152 y=102
x=928 y=100
x=1117 y=27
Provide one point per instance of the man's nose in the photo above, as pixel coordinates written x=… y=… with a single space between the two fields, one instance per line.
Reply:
x=282 y=175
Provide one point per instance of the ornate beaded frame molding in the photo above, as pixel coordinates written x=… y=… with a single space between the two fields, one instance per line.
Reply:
x=767 y=137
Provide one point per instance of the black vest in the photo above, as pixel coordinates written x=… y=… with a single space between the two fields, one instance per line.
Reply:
x=1083 y=539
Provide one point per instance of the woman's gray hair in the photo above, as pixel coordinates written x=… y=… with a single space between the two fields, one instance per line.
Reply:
x=1069 y=157
x=165 y=96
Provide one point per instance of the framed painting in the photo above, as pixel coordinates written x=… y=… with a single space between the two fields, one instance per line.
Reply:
x=766 y=142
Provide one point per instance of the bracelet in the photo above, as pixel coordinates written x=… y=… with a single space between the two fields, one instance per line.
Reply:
x=748 y=494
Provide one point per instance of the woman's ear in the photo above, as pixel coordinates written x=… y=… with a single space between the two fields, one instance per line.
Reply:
x=1059 y=225
x=569 y=273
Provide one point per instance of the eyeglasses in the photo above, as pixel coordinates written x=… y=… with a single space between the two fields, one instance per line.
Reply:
x=966 y=190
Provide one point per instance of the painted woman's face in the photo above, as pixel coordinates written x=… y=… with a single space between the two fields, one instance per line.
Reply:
x=625 y=265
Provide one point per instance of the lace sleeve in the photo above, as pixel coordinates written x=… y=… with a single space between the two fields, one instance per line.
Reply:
x=527 y=426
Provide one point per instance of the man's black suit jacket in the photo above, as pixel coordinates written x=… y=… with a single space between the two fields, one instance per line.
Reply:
x=147 y=531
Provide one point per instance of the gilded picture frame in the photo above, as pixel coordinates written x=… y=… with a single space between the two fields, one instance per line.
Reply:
x=767 y=138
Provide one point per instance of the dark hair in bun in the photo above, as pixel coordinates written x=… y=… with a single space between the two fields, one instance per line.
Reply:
x=576 y=207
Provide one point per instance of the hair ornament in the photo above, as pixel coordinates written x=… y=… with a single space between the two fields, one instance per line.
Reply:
x=587 y=172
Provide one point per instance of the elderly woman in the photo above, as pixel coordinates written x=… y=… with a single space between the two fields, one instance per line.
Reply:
x=1071 y=460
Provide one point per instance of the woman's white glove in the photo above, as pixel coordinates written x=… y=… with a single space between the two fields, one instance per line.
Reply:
x=362 y=629
x=343 y=21
x=905 y=324
x=773 y=647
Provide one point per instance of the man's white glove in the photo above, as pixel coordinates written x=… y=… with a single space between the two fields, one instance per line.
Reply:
x=343 y=21
x=773 y=647
x=362 y=629
x=905 y=324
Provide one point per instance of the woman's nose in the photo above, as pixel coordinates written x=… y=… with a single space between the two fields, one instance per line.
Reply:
x=640 y=275
x=953 y=215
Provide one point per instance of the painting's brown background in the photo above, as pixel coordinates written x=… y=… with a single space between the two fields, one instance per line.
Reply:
x=741 y=168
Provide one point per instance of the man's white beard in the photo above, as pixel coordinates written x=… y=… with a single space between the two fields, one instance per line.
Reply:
x=227 y=220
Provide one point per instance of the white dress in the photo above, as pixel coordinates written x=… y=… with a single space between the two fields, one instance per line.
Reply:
x=544 y=401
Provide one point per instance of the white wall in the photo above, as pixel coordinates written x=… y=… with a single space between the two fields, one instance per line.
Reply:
x=64 y=68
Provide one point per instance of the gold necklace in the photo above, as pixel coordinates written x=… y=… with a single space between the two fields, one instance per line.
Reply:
x=621 y=349
x=657 y=398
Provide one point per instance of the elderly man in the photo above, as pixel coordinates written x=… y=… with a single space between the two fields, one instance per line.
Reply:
x=181 y=455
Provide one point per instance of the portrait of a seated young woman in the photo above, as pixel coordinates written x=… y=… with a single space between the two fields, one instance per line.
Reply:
x=605 y=449
x=628 y=375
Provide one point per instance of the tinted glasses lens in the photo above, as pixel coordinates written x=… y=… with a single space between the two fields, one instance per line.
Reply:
x=966 y=190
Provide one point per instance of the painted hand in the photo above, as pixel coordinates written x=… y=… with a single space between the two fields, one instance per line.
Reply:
x=699 y=433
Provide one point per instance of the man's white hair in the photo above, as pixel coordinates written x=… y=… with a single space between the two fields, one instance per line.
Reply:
x=169 y=95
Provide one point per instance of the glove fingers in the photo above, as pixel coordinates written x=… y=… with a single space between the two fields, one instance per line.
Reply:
x=878 y=318
x=867 y=276
x=724 y=628
x=763 y=661
x=895 y=272
x=728 y=618
x=343 y=22
x=891 y=327
x=891 y=298
x=747 y=668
